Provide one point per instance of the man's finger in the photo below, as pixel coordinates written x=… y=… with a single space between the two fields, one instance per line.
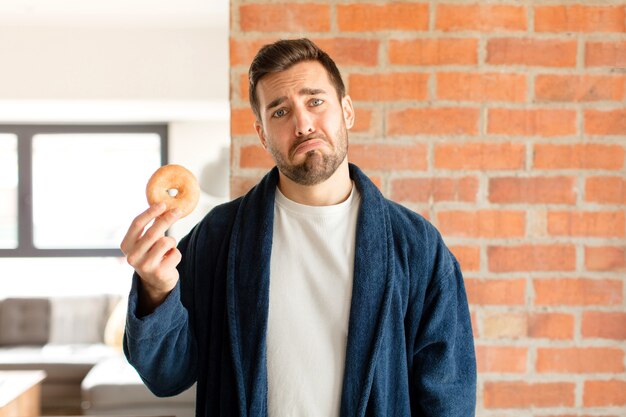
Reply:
x=161 y=247
x=156 y=231
x=139 y=224
x=165 y=220
x=171 y=259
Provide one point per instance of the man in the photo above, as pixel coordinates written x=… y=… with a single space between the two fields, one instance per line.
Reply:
x=312 y=295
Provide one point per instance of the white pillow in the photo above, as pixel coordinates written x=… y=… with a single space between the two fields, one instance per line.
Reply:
x=78 y=320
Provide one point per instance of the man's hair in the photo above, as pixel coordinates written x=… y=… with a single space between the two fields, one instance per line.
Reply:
x=282 y=55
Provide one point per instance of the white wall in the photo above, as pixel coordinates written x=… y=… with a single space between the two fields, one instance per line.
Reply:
x=113 y=63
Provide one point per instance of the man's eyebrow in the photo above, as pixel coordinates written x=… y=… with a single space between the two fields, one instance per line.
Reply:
x=311 y=91
x=303 y=92
x=275 y=102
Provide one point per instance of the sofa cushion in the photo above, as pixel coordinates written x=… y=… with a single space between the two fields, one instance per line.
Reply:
x=115 y=383
x=24 y=321
x=61 y=362
x=78 y=319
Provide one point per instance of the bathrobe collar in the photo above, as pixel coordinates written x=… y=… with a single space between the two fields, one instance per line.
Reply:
x=248 y=294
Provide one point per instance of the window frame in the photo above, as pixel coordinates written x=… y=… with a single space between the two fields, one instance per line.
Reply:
x=25 y=134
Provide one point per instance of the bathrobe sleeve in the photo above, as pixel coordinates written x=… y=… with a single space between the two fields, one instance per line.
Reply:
x=161 y=346
x=444 y=365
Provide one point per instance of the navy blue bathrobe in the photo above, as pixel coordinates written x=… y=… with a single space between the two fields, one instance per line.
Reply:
x=410 y=350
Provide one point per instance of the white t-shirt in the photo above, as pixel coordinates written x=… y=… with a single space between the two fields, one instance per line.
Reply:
x=311 y=271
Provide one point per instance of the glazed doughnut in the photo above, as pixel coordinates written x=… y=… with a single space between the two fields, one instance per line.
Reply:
x=174 y=177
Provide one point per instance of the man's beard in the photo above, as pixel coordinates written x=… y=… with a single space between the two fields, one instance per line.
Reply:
x=317 y=166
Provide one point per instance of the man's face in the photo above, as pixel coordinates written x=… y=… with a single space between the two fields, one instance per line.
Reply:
x=303 y=123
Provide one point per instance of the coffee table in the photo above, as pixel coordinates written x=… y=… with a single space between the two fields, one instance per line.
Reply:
x=20 y=393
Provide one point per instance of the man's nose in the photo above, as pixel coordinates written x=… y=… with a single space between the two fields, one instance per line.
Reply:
x=303 y=122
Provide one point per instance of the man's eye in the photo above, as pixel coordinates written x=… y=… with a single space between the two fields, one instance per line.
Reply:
x=279 y=113
x=316 y=101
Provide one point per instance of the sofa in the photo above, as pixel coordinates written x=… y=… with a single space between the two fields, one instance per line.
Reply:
x=113 y=387
x=76 y=341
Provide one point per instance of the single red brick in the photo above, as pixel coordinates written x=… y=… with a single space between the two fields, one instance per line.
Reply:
x=532 y=52
x=538 y=122
x=389 y=86
x=482 y=17
x=501 y=359
x=556 y=257
x=505 y=325
x=520 y=394
x=606 y=190
x=422 y=190
x=286 y=17
x=579 y=18
x=588 y=223
x=605 y=122
x=577 y=292
x=579 y=360
x=579 y=88
x=483 y=87
x=496 y=291
x=433 y=51
x=389 y=157
x=533 y=190
x=481 y=156
x=482 y=223
x=364 y=17
x=605 y=54
x=604 y=393
x=604 y=325
x=433 y=121
x=605 y=258
x=557 y=326
x=578 y=156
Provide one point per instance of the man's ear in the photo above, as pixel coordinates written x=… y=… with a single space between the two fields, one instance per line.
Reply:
x=258 y=127
x=348 y=111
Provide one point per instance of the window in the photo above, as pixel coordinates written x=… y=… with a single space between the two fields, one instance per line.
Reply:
x=8 y=191
x=71 y=191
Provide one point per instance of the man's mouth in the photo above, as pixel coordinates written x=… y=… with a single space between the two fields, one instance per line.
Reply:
x=307 y=145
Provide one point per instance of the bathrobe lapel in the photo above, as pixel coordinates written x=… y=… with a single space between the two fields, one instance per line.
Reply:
x=371 y=296
x=248 y=295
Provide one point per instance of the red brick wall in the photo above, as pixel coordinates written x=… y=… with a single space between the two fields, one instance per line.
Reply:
x=504 y=124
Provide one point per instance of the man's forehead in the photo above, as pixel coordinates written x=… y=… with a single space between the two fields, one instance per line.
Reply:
x=301 y=77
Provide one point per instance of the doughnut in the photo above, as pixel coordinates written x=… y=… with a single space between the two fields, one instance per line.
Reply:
x=168 y=178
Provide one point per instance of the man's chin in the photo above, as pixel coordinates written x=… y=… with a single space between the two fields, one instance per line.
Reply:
x=310 y=172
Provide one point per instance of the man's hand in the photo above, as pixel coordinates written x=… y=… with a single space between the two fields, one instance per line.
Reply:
x=153 y=255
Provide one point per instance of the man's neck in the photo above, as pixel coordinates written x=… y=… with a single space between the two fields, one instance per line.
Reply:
x=334 y=190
